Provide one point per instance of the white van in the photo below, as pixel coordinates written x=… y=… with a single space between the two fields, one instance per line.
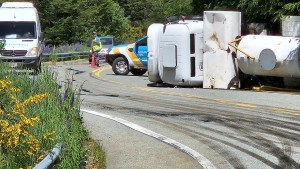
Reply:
x=20 y=30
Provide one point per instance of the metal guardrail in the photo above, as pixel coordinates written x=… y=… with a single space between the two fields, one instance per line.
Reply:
x=50 y=158
x=66 y=55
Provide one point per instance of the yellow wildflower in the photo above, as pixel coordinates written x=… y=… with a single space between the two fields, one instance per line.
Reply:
x=2 y=142
x=4 y=84
x=14 y=89
x=12 y=141
x=42 y=156
x=49 y=136
x=33 y=144
x=25 y=132
x=4 y=123
x=35 y=99
x=15 y=123
x=35 y=119
x=18 y=108
x=29 y=121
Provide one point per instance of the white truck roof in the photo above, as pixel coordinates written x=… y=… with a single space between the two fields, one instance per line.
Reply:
x=17 y=5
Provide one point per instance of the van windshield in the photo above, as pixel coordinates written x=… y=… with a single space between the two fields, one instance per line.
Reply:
x=17 y=30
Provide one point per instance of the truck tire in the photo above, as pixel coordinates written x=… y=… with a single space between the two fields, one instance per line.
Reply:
x=38 y=68
x=138 y=72
x=120 y=66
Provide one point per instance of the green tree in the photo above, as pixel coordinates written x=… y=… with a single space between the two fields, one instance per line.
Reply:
x=72 y=21
x=106 y=18
x=144 y=12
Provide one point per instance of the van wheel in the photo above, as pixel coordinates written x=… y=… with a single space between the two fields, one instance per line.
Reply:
x=38 y=69
x=120 y=66
x=138 y=72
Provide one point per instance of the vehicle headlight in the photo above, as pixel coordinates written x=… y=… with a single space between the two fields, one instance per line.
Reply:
x=32 y=52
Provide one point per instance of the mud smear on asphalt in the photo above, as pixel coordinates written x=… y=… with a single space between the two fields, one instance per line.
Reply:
x=72 y=69
x=107 y=95
x=88 y=91
x=163 y=114
x=79 y=72
x=76 y=71
x=216 y=143
x=251 y=129
x=107 y=108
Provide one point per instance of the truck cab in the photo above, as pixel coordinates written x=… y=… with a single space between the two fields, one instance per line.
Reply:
x=176 y=52
x=127 y=58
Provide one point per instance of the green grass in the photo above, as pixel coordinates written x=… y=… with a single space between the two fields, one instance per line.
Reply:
x=95 y=158
x=59 y=112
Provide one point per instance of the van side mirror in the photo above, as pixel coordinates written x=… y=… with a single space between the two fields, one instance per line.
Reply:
x=42 y=36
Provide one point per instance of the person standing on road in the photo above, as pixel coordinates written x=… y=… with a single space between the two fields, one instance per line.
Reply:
x=96 y=43
x=96 y=46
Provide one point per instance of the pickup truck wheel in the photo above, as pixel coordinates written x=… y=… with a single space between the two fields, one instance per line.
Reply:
x=120 y=66
x=138 y=72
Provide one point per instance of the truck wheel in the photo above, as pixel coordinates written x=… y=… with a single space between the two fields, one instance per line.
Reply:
x=38 y=68
x=138 y=72
x=120 y=66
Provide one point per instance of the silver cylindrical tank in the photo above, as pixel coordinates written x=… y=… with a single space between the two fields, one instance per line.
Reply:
x=274 y=56
x=291 y=26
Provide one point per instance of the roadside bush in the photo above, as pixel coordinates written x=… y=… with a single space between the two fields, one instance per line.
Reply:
x=75 y=57
x=53 y=58
x=17 y=141
x=75 y=47
x=1 y=45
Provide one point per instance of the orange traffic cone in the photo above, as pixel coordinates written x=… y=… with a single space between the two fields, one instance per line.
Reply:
x=93 y=63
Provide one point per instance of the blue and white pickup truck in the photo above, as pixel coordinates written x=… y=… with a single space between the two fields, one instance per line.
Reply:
x=127 y=58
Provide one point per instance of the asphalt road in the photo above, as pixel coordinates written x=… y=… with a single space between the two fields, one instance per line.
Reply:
x=189 y=127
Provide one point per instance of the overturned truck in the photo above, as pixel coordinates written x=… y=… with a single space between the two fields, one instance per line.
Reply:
x=207 y=54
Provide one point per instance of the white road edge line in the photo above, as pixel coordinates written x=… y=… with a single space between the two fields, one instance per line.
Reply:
x=204 y=162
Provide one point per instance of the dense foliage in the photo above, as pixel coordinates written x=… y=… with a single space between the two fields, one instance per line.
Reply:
x=70 y=21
